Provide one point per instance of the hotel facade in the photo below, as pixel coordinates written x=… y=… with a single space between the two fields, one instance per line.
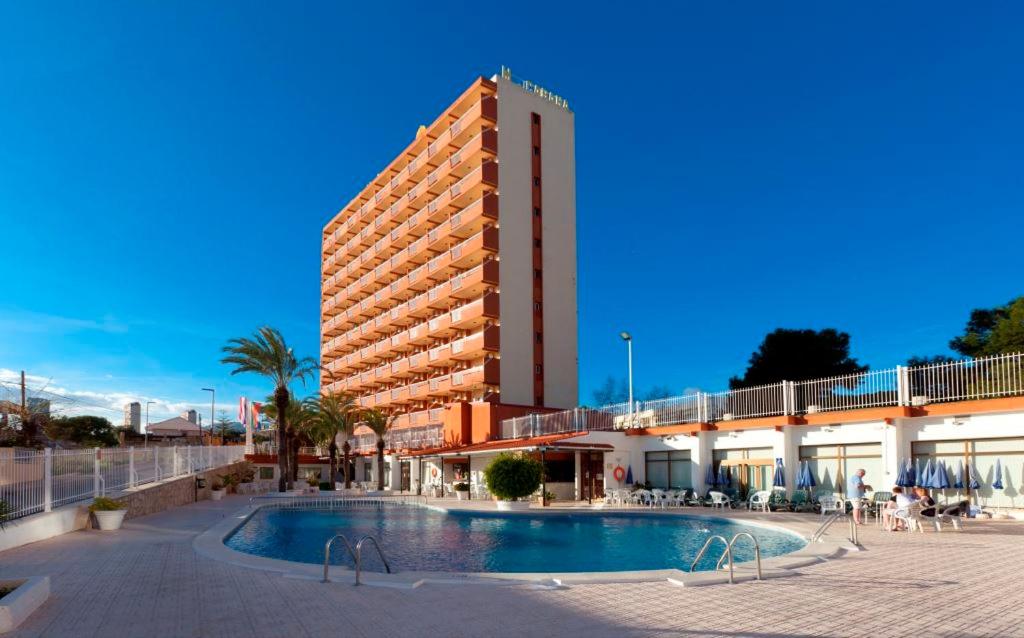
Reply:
x=449 y=301
x=449 y=281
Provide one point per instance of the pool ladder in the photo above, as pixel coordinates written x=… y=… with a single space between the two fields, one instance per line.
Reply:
x=356 y=554
x=852 y=534
x=727 y=553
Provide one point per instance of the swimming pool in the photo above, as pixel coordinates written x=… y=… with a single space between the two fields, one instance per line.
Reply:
x=424 y=539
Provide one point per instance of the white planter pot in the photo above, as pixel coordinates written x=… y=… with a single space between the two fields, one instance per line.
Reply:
x=110 y=520
x=217 y=494
x=461 y=495
x=513 y=506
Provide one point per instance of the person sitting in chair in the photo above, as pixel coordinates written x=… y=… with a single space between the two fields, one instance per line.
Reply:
x=927 y=502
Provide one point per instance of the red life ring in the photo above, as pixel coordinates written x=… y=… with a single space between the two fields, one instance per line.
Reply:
x=619 y=474
x=433 y=472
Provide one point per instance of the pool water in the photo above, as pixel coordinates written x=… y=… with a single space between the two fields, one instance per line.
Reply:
x=421 y=539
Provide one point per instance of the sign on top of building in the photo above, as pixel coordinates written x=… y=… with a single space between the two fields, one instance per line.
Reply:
x=530 y=87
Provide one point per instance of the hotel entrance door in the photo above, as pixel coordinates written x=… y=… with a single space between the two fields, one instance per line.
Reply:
x=592 y=479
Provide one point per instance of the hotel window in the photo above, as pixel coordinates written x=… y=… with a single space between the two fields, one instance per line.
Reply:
x=539 y=369
x=536 y=273
x=747 y=468
x=669 y=470
x=266 y=473
x=536 y=181
x=536 y=118
x=538 y=337
x=539 y=399
x=536 y=243
x=536 y=150
x=536 y=212
x=832 y=465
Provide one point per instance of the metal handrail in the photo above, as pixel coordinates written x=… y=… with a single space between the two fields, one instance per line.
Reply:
x=327 y=554
x=359 y=556
x=757 y=551
x=825 y=525
x=728 y=551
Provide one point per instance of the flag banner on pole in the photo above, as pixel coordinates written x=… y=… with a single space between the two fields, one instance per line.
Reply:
x=255 y=408
x=243 y=412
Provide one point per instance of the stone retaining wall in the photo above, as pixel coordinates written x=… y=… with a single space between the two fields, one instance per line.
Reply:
x=153 y=498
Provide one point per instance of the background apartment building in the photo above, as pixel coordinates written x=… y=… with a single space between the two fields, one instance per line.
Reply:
x=451 y=277
x=133 y=416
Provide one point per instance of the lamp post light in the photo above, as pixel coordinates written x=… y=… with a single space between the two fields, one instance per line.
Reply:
x=213 y=403
x=148 y=403
x=629 y=354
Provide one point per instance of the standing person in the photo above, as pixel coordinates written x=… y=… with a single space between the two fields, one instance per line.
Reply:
x=855 y=491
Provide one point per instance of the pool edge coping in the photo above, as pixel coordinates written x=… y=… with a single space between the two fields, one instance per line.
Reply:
x=211 y=544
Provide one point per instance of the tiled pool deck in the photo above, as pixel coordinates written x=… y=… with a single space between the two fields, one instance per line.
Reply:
x=146 y=580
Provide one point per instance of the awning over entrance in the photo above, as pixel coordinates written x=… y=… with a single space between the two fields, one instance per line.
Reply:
x=559 y=442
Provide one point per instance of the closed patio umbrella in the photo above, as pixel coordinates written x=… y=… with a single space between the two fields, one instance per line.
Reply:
x=809 y=481
x=723 y=475
x=925 y=479
x=918 y=478
x=779 y=480
x=958 y=478
x=943 y=476
x=800 y=476
x=974 y=484
x=629 y=475
x=709 y=476
x=997 y=482
x=903 y=477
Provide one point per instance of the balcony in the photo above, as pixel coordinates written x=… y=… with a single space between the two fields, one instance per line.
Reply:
x=440 y=357
x=439 y=386
x=476 y=313
x=477 y=377
x=476 y=345
x=474 y=282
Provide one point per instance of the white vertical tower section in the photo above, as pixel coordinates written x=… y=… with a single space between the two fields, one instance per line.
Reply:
x=558 y=247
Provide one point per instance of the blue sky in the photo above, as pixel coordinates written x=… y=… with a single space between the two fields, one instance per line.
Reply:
x=166 y=169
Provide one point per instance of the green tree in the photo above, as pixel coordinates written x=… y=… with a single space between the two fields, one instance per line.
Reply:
x=333 y=415
x=223 y=428
x=513 y=476
x=991 y=331
x=611 y=391
x=381 y=424
x=267 y=354
x=88 y=431
x=298 y=418
x=798 y=355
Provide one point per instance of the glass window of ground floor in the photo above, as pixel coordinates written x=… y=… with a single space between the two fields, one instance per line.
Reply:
x=832 y=465
x=746 y=468
x=980 y=454
x=669 y=470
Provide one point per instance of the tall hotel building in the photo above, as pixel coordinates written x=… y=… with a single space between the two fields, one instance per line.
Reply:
x=450 y=279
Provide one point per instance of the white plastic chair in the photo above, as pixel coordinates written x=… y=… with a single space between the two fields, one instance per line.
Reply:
x=911 y=517
x=759 y=500
x=639 y=497
x=658 y=498
x=719 y=499
x=829 y=503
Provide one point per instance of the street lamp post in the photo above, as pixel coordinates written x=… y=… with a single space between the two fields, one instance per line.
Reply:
x=148 y=403
x=629 y=354
x=213 y=403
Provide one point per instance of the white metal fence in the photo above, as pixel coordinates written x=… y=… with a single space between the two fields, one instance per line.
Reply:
x=981 y=378
x=38 y=480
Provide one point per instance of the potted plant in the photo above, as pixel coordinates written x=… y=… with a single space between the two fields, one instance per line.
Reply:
x=313 y=481
x=217 y=491
x=5 y=511
x=546 y=498
x=461 y=490
x=109 y=513
x=229 y=481
x=513 y=477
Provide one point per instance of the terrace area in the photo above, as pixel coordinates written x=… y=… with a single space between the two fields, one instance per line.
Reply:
x=146 y=580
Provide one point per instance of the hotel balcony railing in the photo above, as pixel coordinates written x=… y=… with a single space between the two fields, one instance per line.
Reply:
x=392 y=218
x=465 y=285
x=481 y=243
x=485 y=108
x=969 y=379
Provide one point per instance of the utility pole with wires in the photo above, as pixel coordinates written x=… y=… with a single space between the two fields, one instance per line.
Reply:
x=23 y=400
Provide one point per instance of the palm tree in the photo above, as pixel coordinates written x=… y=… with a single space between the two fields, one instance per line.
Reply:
x=266 y=353
x=299 y=424
x=381 y=424
x=334 y=414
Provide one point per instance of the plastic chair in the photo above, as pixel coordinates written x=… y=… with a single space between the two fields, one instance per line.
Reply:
x=718 y=499
x=829 y=503
x=911 y=517
x=759 y=500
